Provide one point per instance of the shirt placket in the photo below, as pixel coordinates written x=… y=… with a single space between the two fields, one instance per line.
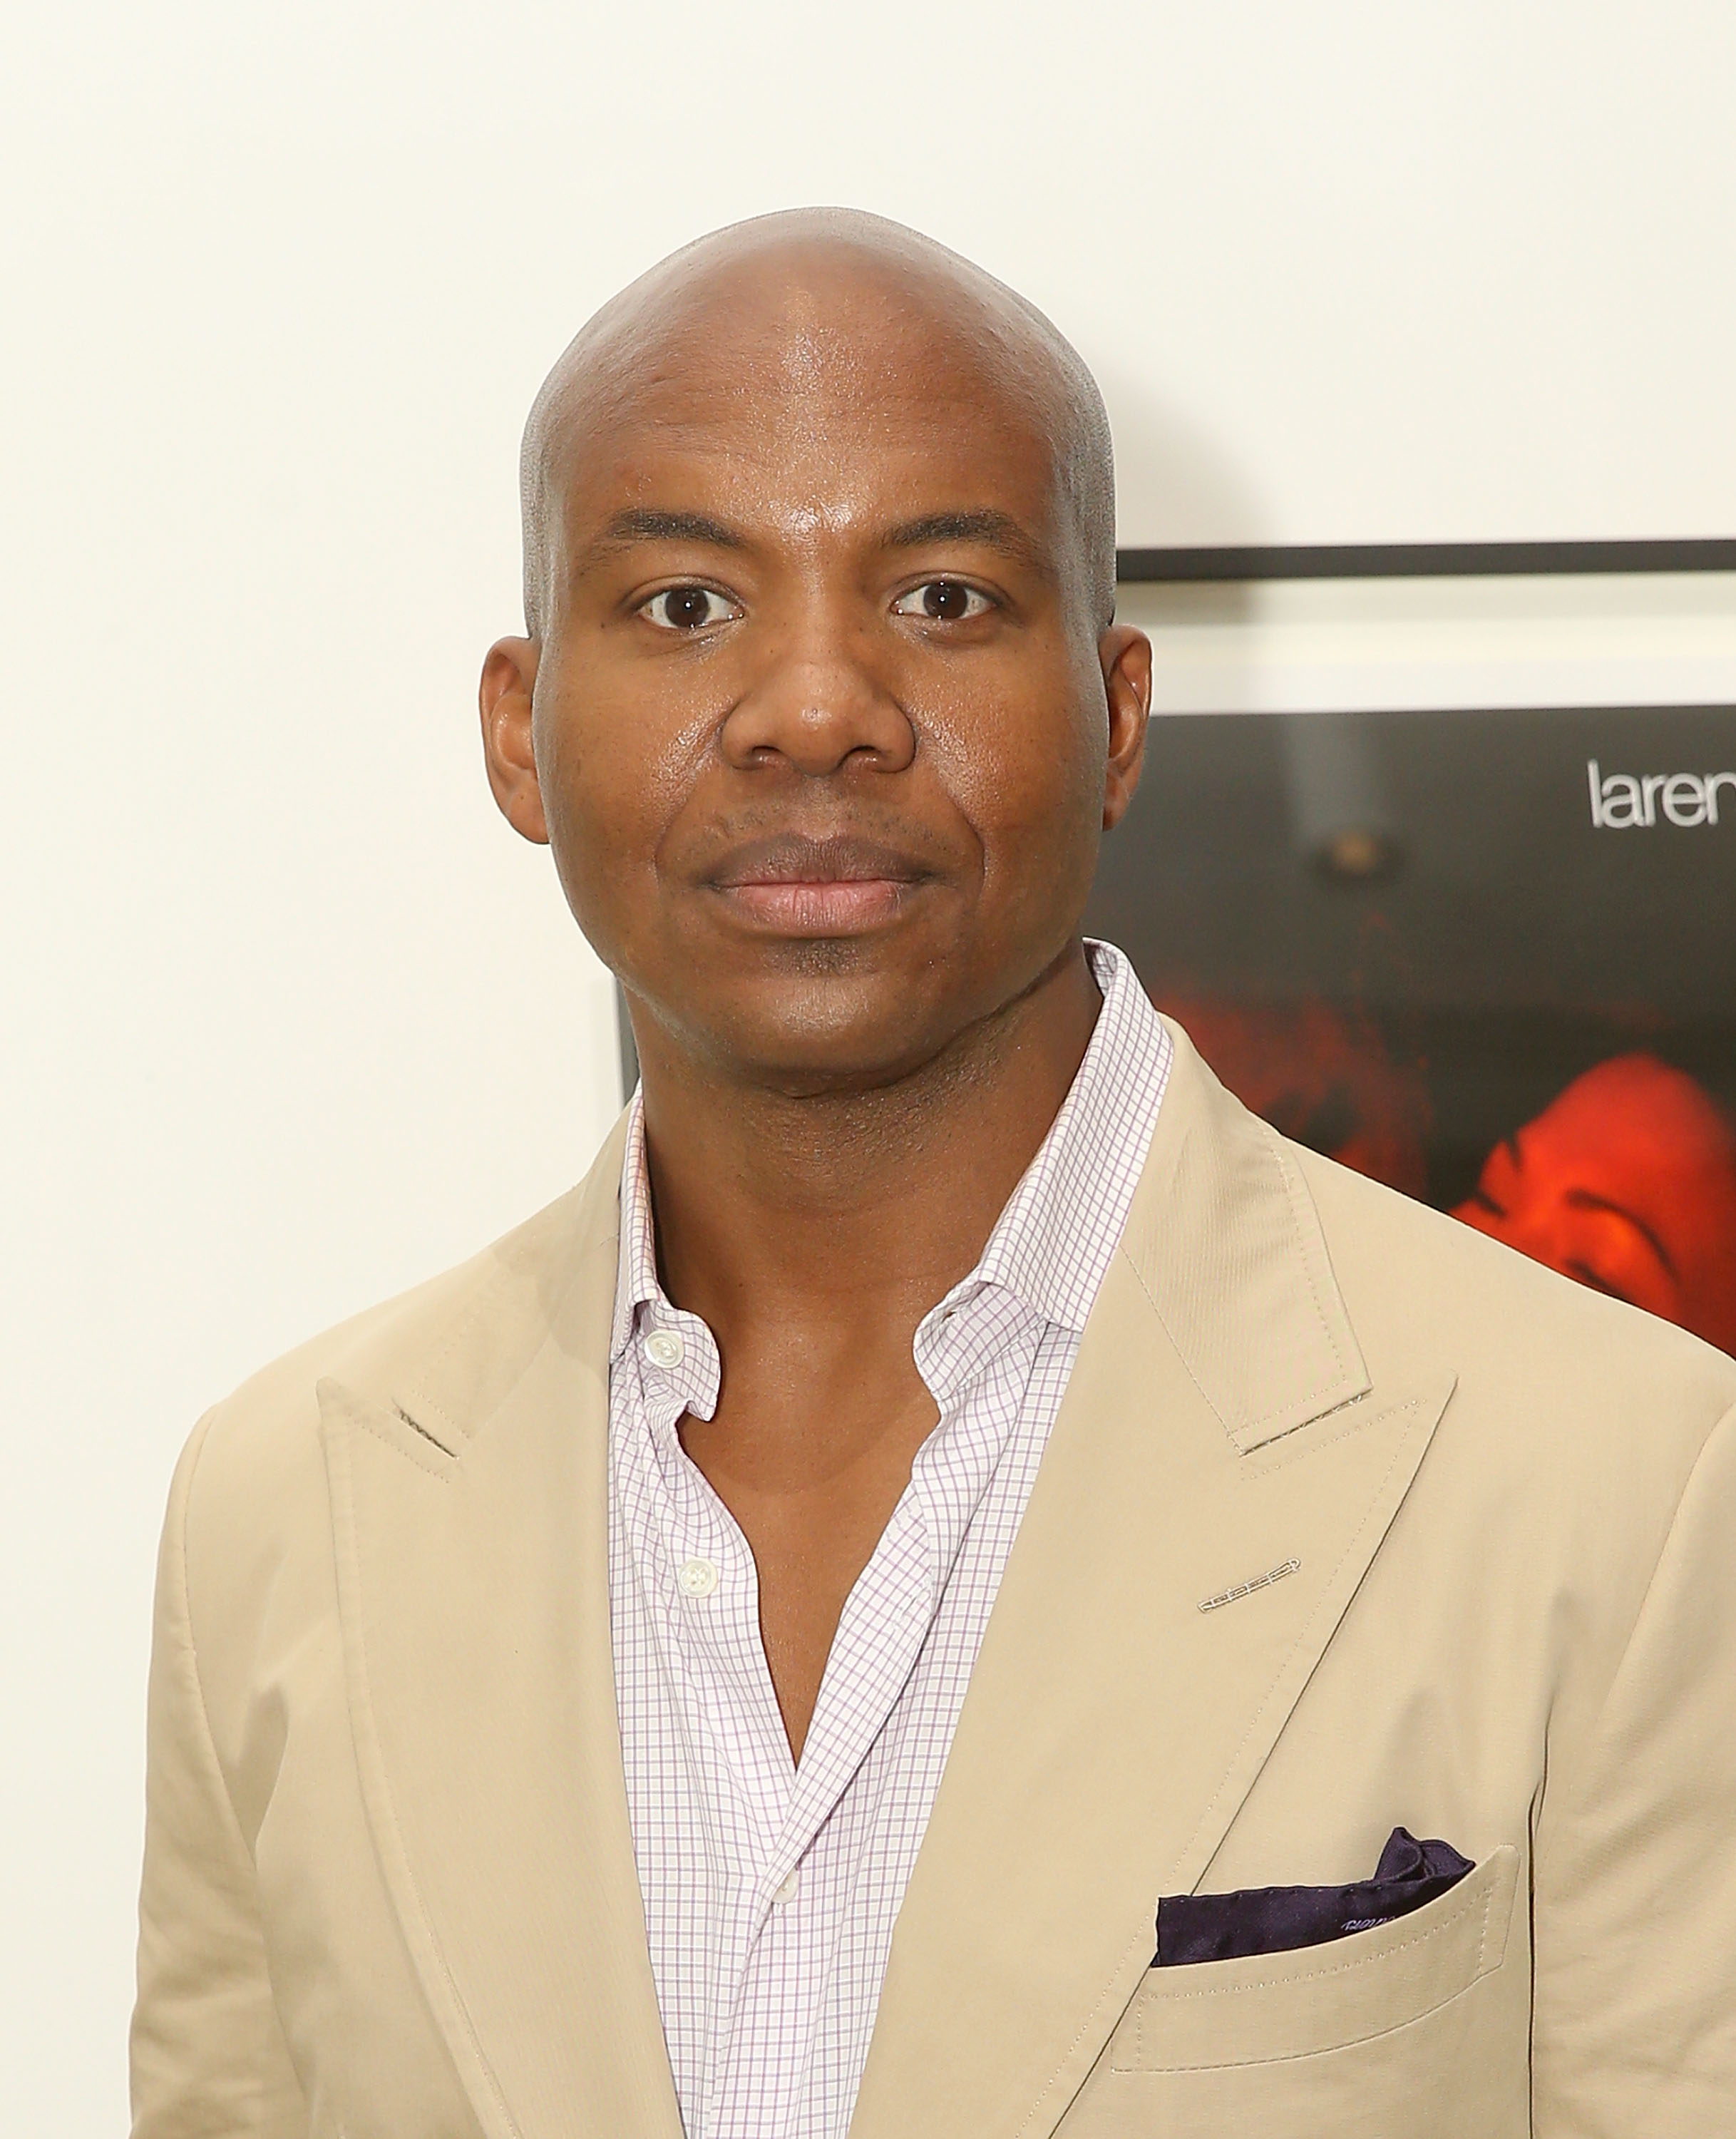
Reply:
x=739 y=1749
x=762 y=2077
x=880 y=1635
x=762 y=2074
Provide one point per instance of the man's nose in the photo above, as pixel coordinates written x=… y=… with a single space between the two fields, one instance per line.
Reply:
x=816 y=706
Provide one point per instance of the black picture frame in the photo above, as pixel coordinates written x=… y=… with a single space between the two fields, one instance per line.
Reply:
x=1420 y=937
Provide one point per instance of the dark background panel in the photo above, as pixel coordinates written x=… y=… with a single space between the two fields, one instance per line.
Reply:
x=1495 y=942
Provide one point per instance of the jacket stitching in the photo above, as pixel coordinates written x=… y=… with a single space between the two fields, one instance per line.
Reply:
x=1290 y=1655
x=1148 y=2059
x=1291 y=1188
x=608 y=1236
x=1086 y=2028
x=383 y=1794
x=1253 y=1472
x=1325 y=2050
x=1315 y=1975
x=1087 y=2025
x=1295 y=1189
x=1725 y=1419
x=202 y=1436
x=470 y=1321
x=439 y=1471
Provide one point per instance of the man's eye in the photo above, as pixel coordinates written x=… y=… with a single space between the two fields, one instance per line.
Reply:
x=688 y=608
x=942 y=601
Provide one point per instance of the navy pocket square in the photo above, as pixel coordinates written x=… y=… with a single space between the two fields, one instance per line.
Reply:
x=1194 y=1927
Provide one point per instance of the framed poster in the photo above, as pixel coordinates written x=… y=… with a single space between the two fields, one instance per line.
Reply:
x=1477 y=944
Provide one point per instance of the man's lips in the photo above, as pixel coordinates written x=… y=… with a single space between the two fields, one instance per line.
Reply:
x=803 y=886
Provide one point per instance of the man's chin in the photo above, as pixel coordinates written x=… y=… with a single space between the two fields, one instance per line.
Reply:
x=838 y=1036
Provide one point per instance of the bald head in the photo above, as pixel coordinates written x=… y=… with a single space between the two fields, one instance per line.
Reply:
x=822 y=710
x=824 y=299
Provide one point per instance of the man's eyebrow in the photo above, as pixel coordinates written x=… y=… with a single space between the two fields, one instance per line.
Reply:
x=993 y=530
x=641 y=523
x=1582 y=1199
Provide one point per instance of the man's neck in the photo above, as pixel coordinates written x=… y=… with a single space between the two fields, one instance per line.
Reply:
x=860 y=1207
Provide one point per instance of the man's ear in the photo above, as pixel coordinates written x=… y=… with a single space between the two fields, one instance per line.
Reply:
x=509 y=679
x=1125 y=654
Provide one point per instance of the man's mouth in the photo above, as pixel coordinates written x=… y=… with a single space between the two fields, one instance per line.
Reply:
x=793 y=886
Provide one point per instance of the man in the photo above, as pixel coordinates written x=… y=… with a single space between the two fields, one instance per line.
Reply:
x=784 y=1642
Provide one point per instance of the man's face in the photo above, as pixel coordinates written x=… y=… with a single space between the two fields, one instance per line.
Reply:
x=823 y=736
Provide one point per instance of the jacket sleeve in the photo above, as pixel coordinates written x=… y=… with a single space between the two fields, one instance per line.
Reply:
x=1635 y=1900
x=208 y=2058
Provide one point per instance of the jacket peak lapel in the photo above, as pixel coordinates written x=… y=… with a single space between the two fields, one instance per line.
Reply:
x=1219 y=1429
x=470 y=1526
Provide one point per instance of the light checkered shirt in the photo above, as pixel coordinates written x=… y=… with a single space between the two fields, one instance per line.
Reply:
x=771 y=1889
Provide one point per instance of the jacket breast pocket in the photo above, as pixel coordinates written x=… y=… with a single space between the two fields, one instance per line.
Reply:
x=1400 y=2029
x=1322 y=1997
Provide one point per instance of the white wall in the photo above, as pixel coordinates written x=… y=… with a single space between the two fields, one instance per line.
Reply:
x=291 y=1019
x=1382 y=645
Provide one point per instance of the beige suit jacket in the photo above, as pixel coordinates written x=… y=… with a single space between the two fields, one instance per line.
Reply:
x=389 y=1890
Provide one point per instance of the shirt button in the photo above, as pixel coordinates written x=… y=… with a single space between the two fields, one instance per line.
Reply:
x=663 y=1347
x=698 y=1578
x=787 y=1890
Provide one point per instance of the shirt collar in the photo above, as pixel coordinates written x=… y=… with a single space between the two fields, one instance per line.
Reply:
x=636 y=1280
x=1053 y=1242
x=1055 y=1236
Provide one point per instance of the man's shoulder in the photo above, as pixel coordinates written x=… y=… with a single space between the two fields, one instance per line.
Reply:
x=1437 y=1281
x=258 y=1449
x=1557 y=1376
x=1358 y=1288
